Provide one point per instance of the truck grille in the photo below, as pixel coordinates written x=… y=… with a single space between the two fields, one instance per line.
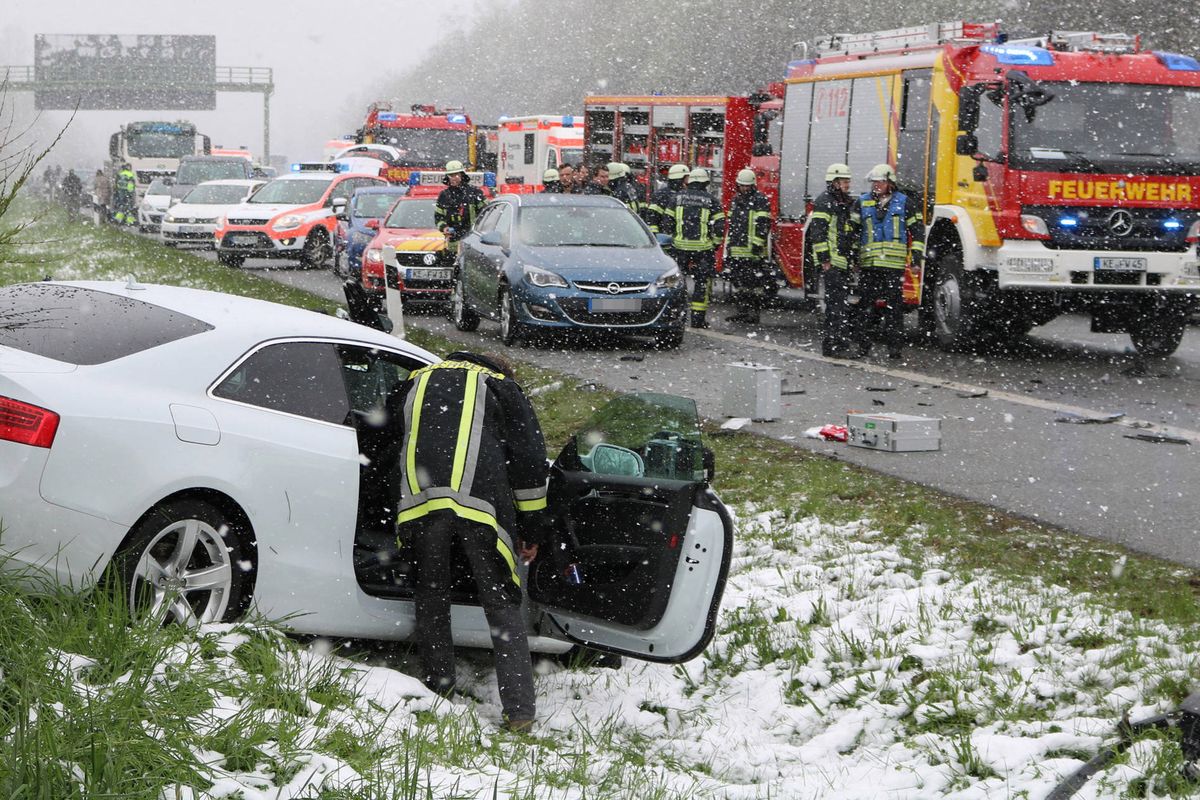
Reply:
x=1130 y=229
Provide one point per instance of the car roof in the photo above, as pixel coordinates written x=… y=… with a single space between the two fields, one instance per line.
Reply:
x=552 y=199
x=232 y=182
x=212 y=158
x=256 y=317
x=391 y=189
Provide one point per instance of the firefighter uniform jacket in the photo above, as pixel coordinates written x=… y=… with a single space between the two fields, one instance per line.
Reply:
x=661 y=203
x=890 y=230
x=749 y=225
x=471 y=445
x=457 y=207
x=833 y=229
x=627 y=193
x=696 y=223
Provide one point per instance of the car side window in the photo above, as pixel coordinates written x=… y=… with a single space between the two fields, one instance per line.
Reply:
x=487 y=220
x=302 y=378
x=504 y=220
x=370 y=376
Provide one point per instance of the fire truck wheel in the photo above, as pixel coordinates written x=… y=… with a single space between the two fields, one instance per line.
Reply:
x=316 y=250
x=1158 y=335
x=461 y=314
x=511 y=328
x=956 y=316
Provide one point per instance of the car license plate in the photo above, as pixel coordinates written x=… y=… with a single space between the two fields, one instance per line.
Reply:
x=1120 y=264
x=614 y=304
x=243 y=239
x=427 y=275
x=191 y=229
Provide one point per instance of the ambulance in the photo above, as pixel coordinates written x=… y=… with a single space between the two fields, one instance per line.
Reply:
x=1056 y=174
x=528 y=146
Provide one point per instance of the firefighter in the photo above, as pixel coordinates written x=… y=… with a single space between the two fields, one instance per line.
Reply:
x=550 y=182
x=663 y=200
x=458 y=204
x=749 y=225
x=600 y=183
x=623 y=187
x=125 y=196
x=893 y=231
x=696 y=224
x=472 y=475
x=833 y=234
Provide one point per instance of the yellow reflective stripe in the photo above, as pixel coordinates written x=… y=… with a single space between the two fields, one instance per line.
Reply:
x=918 y=246
x=821 y=215
x=507 y=555
x=464 y=431
x=531 y=505
x=410 y=459
x=483 y=518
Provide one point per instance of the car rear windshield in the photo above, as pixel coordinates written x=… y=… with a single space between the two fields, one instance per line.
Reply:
x=412 y=214
x=581 y=226
x=292 y=192
x=193 y=172
x=373 y=206
x=216 y=194
x=84 y=326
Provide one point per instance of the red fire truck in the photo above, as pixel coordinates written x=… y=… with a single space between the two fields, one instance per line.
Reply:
x=426 y=137
x=1057 y=174
x=652 y=133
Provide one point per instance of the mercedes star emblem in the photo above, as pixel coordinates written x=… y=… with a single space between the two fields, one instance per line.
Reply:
x=429 y=259
x=1120 y=223
x=614 y=288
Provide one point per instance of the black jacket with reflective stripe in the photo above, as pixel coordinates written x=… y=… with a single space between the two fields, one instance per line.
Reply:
x=457 y=207
x=471 y=445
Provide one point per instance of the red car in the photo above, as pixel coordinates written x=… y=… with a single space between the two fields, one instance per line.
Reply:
x=423 y=262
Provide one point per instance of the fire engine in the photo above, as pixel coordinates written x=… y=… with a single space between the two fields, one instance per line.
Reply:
x=426 y=138
x=652 y=133
x=528 y=146
x=1056 y=174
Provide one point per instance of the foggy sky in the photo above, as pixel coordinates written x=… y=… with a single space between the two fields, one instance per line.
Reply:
x=329 y=57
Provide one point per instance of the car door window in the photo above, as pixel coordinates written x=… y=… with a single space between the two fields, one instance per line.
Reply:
x=504 y=222
x=487 y=220
x=302 y=378
x=370 y=376
x=644 y=435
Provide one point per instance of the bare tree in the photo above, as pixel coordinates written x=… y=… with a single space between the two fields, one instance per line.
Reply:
x=19 y=156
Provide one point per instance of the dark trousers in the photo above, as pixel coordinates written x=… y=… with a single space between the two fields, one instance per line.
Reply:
x=878 y=285
x=837 y=332
x=701 y=267
x=433 y=539
x=752 y=278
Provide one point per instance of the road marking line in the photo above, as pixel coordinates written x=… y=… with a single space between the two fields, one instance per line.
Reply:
x=917 y=377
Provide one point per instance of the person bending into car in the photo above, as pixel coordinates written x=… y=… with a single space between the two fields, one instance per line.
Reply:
x=458 y=204
x=472 y=473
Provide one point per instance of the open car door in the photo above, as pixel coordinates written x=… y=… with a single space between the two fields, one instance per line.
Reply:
x=643 y=544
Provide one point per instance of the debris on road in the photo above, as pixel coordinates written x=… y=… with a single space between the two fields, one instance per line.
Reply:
x=633 y=357
x=973 y=395
x=881 y=388
x=549 y=387
x=1157 y=438
x=1080 y=419
x=737 y=423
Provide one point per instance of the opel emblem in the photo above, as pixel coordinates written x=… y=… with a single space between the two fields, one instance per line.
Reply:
x=429 y=259
x=614 y=288
x=1120 y=223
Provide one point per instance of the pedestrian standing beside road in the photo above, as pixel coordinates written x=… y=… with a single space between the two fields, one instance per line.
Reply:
x=893 y=232
x=583 y=177
x=102 y=189
x=566 y=178
x=125 y=197
x=833 y=236
x=697 y=226
x=472 y=475
x=600 y=183
x=550 y=182
x=72 y=192
x=750 y=272
x=458 y=204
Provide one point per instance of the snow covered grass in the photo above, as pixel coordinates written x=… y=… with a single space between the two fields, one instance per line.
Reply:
x=842 y=668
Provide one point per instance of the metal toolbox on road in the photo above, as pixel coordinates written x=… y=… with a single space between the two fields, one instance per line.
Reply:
x=896 y=433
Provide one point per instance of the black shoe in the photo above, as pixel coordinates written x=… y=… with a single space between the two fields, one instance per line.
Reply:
x=699 y=319
x=740 y=316
x=895 y=354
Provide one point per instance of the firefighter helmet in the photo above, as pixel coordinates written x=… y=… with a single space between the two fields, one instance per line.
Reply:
x=616 y=169
x=882 y=172
x=550 y=176
x=677 y=172
x=699 y=175
x=837 y=172
x=746 y=177
x=454 y=166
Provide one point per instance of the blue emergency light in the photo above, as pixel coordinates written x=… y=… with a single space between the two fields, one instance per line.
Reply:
x=1020 y=56
x=1177 y=62
x=1172 y=224
x=456 y=119
x=387 y=116
x=568 y=121
x=1068 y=222
x=489 y=179
x=414 y=179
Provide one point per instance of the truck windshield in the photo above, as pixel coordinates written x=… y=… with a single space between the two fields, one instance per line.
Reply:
x=161 y=145
x=292 y=192
x=1110 y=127
x=424 y=147
x=194 y=172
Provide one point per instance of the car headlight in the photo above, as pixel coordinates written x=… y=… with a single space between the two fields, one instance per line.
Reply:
x=169 y=217
x=374 y=255
x=669 y=279
x=287 y=222
x=543 y=278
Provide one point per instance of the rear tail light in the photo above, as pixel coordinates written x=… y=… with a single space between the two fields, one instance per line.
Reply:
x=26 y=424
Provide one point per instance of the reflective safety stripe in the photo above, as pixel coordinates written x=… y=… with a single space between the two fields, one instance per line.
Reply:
x=410 y=446
x=532 y=494
x=464 y=431
x=448 y=504
x=531 y=505
x=885 y=241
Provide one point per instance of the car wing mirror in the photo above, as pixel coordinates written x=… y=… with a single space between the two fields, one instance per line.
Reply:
x=611 y=459
x=372 y=224
x=492 y=238
x=664 y=239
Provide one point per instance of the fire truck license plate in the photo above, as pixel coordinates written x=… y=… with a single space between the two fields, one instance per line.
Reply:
x=427 y=274
x=615 y=304
x=1120 y=264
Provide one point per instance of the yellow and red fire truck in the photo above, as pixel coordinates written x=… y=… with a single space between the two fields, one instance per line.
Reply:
x=426 y=137
x=1056 y=174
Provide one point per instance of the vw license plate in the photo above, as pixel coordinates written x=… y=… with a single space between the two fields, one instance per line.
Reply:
x=427 y=274
x=191 y=229
x=1120 y=264
x=614 y=304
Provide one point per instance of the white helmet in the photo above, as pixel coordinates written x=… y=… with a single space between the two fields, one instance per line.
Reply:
x=616 y=169
x=882 y=172
x=699 y=175
x=550 y=175
x=837 y=172
x=746 y=177
x=454 y=166
x=677 y=172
